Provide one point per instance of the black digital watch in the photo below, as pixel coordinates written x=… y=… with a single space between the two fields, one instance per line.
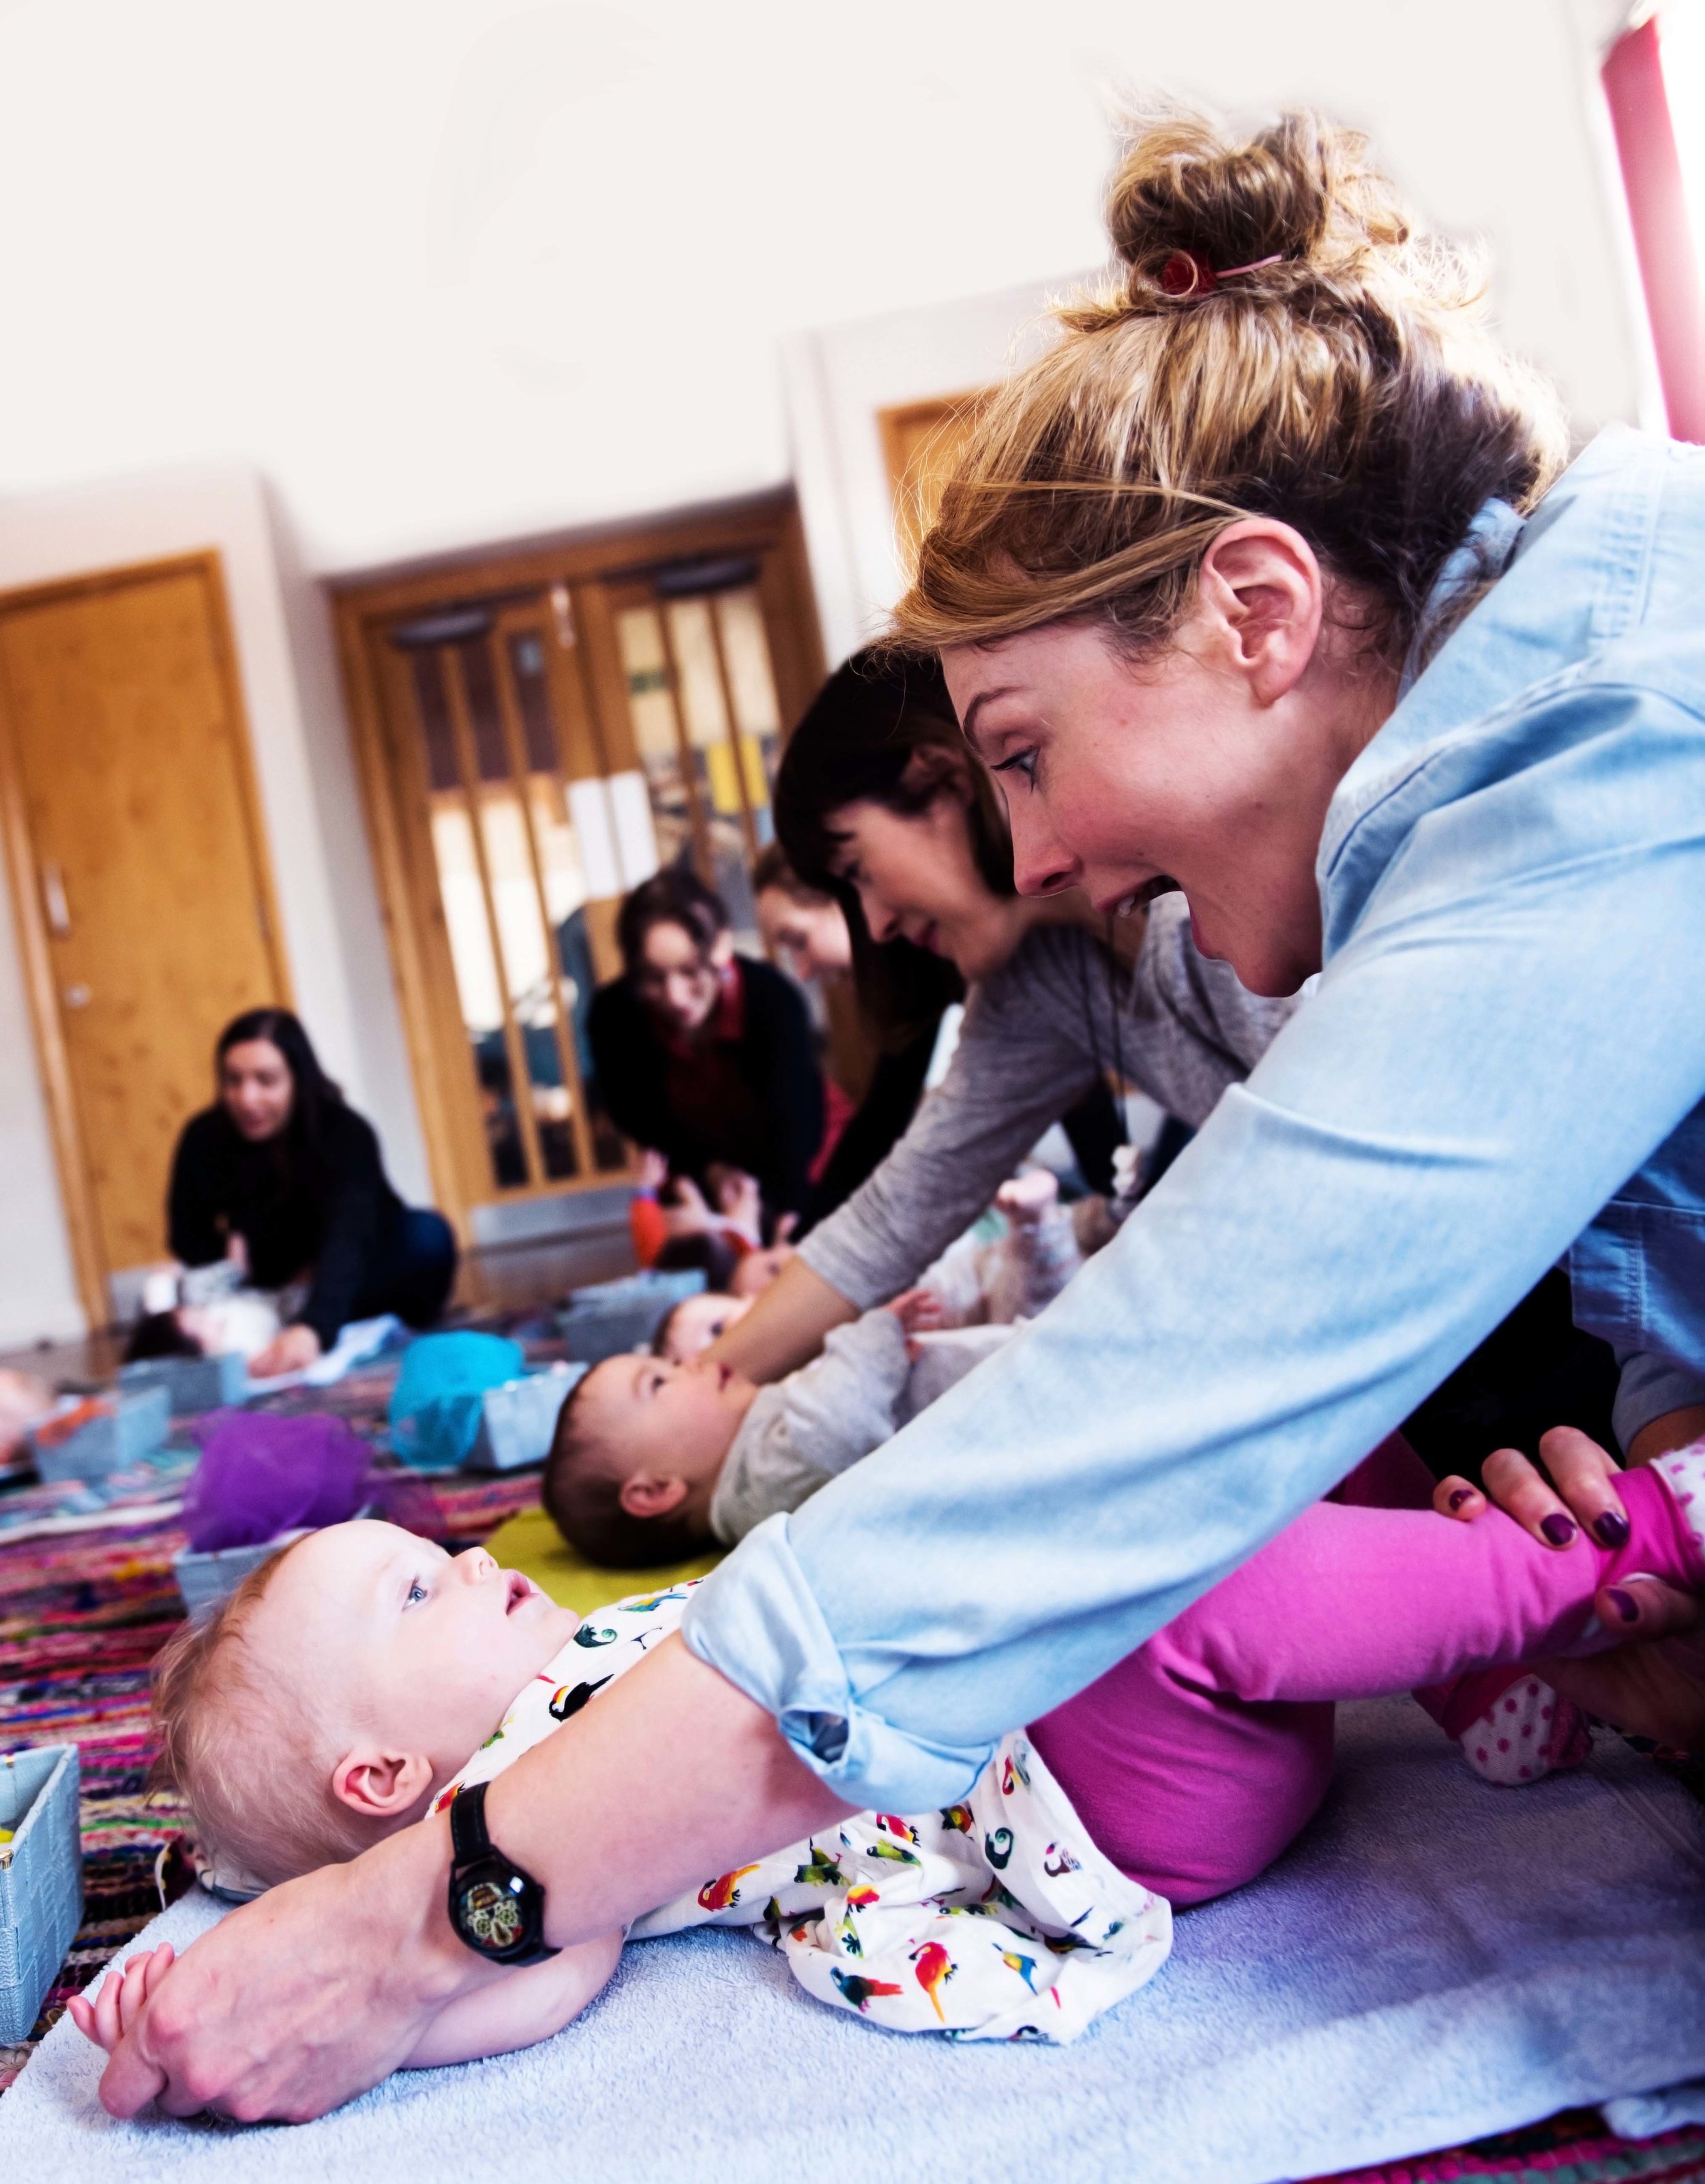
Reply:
x=495 y=1906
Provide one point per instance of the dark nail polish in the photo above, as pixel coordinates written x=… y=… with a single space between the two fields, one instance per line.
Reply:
x=1612 y=1529
x=1559 y=1530
x=1460 y=1497
x=1625 y=1604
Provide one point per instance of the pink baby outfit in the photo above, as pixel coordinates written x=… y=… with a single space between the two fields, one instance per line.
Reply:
x=1196 y=1761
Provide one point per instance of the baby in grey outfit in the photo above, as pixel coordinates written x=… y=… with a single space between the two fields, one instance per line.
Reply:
x=655 y=1460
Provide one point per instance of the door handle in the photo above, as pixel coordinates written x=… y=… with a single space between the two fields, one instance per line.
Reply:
x=53 y=902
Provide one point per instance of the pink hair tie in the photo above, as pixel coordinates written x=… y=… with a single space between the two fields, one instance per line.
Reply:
x=1186 y=274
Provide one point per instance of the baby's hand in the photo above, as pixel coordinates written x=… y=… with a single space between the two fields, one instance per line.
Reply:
x=116 y=2008
x=918 y=1311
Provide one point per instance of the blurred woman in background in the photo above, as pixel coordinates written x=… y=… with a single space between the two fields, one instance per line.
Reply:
x=704 y=1055
x=282 y=1176
x=805 y=928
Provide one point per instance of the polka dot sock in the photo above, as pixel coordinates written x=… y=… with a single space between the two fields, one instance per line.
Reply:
x=1527 y=1733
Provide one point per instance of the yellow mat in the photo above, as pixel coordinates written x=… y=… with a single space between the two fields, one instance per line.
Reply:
x=532 y=1543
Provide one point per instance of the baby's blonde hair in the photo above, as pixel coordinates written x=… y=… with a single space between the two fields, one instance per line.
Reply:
x=251 y=1761
x=1341 y=379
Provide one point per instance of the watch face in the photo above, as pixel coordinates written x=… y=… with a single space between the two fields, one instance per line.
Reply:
x=492 y=1916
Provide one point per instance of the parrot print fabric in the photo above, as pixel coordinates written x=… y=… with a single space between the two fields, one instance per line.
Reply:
x=995 y=1918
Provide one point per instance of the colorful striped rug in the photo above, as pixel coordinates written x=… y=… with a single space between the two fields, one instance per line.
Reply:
x=83 y=1615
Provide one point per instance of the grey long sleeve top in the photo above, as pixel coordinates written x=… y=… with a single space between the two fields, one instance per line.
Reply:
x=807 y=1428
x=1035 y=1036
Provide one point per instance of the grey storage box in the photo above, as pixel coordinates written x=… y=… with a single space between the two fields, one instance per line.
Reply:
x=205 y=1578
x=41 y=1879
x=87 y=1436
x=602 y=1322
x=191 y=1384
x=518 y=1420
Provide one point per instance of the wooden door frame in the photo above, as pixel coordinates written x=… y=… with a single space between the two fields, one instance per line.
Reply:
x=76 y=1192
x=767 y=523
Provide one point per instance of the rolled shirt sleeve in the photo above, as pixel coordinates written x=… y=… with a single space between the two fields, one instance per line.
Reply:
x=1507 y=1026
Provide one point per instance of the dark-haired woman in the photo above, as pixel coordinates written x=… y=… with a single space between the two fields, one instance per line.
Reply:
x=280 y=1169
x=880 y=805
x=706 y=1055
x=806 y=929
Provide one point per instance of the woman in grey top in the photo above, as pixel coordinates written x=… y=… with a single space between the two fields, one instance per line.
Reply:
x=879 y=802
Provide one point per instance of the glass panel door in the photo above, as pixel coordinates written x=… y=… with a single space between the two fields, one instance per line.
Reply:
x=706 y=720
x=539 y=731
x=513 y=886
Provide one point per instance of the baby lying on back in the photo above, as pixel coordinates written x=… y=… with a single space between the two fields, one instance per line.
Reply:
x=362 y=1677
x=655 y=1460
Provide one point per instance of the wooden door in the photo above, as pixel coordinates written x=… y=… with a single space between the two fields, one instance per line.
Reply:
x=538 y=732
x=922 y=442
x=139 y=877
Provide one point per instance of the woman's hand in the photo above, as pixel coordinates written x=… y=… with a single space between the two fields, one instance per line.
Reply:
x=1654 y=1689
x=303 y=1998
x=293 y=1351
x=1584 y=1493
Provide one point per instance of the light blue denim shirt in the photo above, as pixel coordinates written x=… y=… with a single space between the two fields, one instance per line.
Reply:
x=1503 y=1058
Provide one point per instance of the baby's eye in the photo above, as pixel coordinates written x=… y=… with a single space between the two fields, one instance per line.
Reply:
x=416 y=1591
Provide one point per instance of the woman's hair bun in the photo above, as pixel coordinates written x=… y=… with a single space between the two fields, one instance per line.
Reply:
x=1299 y=189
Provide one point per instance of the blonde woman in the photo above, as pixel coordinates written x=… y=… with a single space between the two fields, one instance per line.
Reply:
x=1269 y=582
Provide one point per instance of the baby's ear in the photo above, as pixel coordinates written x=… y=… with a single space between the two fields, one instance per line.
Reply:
x=380 y=1785
x=644 y=1496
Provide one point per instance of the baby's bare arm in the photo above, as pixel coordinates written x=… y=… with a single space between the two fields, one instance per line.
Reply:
x=523 y=2007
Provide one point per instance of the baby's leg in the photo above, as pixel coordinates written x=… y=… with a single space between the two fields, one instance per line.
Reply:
x=1512 y=1727
x=1197 y=1759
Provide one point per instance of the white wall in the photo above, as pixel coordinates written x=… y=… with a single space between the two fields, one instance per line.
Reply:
x=333 y=939
x=451 y=271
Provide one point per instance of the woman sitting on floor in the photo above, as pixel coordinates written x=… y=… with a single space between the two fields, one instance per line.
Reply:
x=280 y=1176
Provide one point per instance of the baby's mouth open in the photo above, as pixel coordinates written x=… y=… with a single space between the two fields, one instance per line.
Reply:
x=517 y=1589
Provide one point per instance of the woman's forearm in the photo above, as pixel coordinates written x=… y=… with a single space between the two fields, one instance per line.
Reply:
x=673 y=1777
x=786 y=1326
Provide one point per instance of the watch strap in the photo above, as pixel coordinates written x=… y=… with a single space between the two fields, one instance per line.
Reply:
x=469 y=1838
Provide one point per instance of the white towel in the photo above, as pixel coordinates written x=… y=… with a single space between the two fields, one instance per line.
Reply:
x=1437 y=1958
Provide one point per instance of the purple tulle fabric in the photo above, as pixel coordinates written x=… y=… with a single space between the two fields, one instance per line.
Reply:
x=261 y=1475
